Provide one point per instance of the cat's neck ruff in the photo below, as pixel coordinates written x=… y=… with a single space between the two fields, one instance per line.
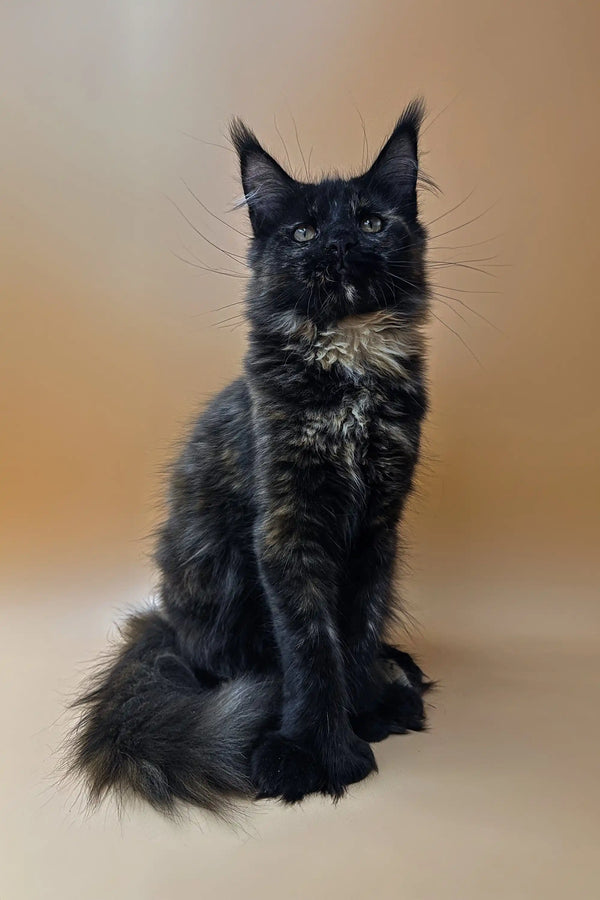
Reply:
x=381 y=341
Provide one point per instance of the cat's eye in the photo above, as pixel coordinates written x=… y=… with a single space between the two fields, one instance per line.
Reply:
x=304 y=233
x=371 y=224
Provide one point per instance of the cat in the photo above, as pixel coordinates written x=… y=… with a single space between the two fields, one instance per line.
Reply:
x=263 y=671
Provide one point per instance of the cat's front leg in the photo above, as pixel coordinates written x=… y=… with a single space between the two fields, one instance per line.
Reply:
x=385 y=686
x=298 y=550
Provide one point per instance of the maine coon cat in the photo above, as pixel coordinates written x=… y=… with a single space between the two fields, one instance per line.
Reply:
x=263 y=670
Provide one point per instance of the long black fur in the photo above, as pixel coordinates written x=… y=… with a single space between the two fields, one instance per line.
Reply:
x=263 y=669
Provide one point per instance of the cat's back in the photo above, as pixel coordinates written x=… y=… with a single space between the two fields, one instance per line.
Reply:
x=216 y=460
x=226 y=414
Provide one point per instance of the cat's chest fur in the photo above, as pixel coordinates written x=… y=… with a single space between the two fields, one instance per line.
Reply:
x=341 y=430
x=369 y=353
x=376 y=343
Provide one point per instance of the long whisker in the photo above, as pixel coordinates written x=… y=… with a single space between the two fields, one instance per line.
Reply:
x=204 y=263
x=300 y=146
x=447 y=265
x=449 y=305
x=448 y=287
x=470 y=308
x=475 y=259
x=365 y=147
x=234 y=256
x=211 y=213
x=458 y=263
x=441 y=112
x=209 y=312
x=199 y=265
x=287 y=155
x=427 y=183
x=208 y=143
x=451 y=210
x=464 y=225
x=437 y=294
x=229 y=319
x=466 y=246
x=460 y=338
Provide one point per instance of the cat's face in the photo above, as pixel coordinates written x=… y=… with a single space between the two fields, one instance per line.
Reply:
x=337 y=247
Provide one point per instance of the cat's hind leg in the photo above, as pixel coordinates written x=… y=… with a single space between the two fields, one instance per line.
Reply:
x=398 y=707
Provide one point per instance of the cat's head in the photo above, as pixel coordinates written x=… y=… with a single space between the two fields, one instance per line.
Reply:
x=335 y=247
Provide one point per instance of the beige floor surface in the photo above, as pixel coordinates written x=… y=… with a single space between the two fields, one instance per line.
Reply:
x=498 y=800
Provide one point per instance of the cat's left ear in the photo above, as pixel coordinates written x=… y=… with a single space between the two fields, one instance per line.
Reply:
x=396 y=167
x=267 y=187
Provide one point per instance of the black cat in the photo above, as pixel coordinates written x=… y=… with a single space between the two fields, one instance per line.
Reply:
x=262 y=671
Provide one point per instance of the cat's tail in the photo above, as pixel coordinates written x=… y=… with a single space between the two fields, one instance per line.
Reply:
x=149 y=729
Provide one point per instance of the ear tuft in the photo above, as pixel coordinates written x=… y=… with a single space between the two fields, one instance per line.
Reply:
x=266 y=185
x=411 y=120
x=397 y=165
x=243 y=138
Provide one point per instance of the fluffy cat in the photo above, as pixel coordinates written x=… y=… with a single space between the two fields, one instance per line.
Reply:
x=263 y=669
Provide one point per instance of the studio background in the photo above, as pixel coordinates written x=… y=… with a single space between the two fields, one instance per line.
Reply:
x=113 y=115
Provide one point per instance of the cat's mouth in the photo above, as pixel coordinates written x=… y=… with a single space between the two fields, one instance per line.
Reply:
x=342 y=293
x=342 y=286
x=342 y=273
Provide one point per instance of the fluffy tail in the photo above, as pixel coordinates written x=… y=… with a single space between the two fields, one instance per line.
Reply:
x=149 y=729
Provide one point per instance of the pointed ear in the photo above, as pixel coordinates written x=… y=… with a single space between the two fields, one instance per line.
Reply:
x=397 y=165
x=266 y=185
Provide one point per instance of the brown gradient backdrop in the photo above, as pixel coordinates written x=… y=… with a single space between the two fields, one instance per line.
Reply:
x=110 y=342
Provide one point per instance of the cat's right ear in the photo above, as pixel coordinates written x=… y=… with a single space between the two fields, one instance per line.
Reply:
x=396 y=167
x=266 y=185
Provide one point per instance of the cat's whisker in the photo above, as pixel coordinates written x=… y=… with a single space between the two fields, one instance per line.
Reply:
x=427 y=183
x=437 y=295
x=438 y=299
x=458 y=262
x=459 y=336
x=285 y=149
x=474 y=260
x=203 y=262
x=458 y=265
x=440 y=113
x=228 y=319
x=447 y=287
x=213 y=214
x=300 y=146
x=209 y=312
x=470 y=308
x=434 y=237
x=205 y=268
x=467 y=246
x=193 y=137
x=365 y=147
x=451 y=210
x=233 y=256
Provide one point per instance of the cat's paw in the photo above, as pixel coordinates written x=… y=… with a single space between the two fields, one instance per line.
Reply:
x=290 y=770
x=282 y=768
x=347 y=764
x=399 y=666
x=400 y=709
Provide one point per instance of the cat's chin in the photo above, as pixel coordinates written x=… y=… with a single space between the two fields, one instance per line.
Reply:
x=350 y=291
x=346 y=293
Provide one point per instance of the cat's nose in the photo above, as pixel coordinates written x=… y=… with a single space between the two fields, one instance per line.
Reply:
x=340 y=247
